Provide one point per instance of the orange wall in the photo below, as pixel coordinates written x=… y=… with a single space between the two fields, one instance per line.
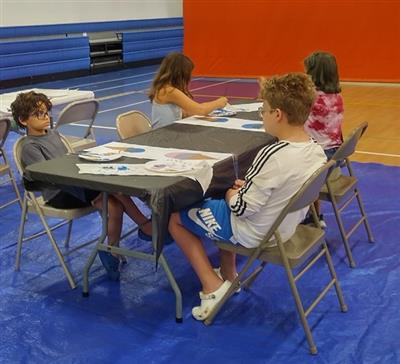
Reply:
x=249 y=38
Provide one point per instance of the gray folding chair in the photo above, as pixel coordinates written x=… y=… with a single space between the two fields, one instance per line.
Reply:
x=33 y=204
x=341 y=190
x=85 y=112
x=5 y=168
x=132 y=123
x=302 y=250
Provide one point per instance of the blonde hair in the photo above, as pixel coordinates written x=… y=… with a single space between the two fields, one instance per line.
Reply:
x=176 y=71
x=293 y=93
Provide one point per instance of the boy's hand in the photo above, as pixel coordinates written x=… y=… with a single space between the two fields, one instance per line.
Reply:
x=234 y=190
x=238 y=184
x=229 y=193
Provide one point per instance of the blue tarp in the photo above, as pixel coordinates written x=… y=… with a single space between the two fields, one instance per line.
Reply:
x=43 y=321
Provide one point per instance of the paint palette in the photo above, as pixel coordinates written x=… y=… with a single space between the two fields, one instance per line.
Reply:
x=97 y=157
x=253 y=126
x=169 y=166
x=213 y=119
x=222 y=112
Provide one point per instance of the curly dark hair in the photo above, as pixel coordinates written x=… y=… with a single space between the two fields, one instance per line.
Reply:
x=293 y=93
x=26 y=104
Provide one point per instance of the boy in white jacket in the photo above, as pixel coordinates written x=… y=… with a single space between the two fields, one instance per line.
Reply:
x=252 y=205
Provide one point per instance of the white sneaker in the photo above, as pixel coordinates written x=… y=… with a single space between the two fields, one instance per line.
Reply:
x=323 y=224
x=218 y=273
x=322 y=221
x=209 y=301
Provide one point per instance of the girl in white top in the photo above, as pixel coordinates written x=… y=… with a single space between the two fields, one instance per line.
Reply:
x=170 y=95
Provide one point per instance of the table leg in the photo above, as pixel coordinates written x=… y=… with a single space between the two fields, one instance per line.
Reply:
x=167 y=270
x=102 y=238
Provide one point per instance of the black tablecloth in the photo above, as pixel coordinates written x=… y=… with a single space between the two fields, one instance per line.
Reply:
x=164 y=194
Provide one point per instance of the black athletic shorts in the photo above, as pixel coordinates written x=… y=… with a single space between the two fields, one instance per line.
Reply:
x=67 y=200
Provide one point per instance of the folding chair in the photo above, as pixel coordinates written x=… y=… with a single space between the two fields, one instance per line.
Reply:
x=5 y=168
x=302 y=250
x=37 y=205
x=341 y=190
x=132 y=123
x=80 y=112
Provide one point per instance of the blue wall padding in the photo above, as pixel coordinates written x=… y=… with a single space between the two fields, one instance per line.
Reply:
x=40 y=30
x=27 y=58
x=150 y=45
x=149 y=54
x=155 y=34
x=53 y=55
x=11 y=73
x=153 y=44
x=42 y=45
x=41 y=57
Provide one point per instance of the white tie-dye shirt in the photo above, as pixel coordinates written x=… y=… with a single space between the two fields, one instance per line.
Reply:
x=325 y=121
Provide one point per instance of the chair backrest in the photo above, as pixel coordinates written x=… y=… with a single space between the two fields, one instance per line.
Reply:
x=350 y=142
x=305 y=196
x=17 y=148
x=5 y=125
x=79 y=111
x=132 y=123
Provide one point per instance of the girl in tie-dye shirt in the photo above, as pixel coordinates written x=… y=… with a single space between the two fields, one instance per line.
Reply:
x=325 y=121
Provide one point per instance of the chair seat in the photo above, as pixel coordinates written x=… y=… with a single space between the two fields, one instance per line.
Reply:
x=78 y=143
x=341 y=187
x=68 y=214
x=4 y=168
x=304 y=242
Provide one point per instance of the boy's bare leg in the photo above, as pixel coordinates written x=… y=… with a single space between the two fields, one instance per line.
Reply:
x=115 y=212
x=228 y=265
x=193 y=248
x=134 y=213
x=317 y=205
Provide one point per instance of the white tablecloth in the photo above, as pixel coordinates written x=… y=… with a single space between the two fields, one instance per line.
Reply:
x=57 y=97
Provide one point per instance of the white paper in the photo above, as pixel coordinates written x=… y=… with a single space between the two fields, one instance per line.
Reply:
x=201 y=171
x=224 y=122
x=254 y=106
x=149 y=152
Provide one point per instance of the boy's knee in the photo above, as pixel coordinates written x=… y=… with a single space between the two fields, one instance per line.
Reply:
x=97 y=203
x=174 y=220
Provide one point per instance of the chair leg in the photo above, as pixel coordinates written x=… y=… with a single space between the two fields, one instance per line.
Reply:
x=332 y=271
x=60 y=257
x=21 y=233
x=231 y=290
x=252 y=277
x=15 y=187
x=68 y=237
x=346 y=243
x=364 y=214
x=218 y=306
x=300 y=310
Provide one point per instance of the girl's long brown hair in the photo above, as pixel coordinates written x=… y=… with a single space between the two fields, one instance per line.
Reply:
x=323 y=69
x=176 y=71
